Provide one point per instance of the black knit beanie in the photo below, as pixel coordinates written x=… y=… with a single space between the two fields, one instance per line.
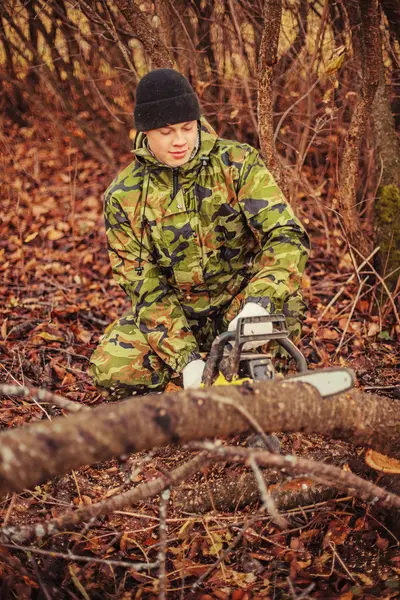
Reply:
x=164 y=97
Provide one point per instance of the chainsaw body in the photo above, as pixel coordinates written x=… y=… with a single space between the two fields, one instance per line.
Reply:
x=227 y=355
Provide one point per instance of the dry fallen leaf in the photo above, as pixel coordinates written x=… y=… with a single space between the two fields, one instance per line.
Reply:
x=69 y=379
x=337 y=533
x=172 y=387
x=373 y=329
x=31 y=237
x=83 y=335
x=54 y=235
x=49 y=337
x=329 y=334
x=381 y=462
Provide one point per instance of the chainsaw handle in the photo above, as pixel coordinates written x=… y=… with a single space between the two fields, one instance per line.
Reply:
x=211 y=369
x=216 y=353
x=295 y=353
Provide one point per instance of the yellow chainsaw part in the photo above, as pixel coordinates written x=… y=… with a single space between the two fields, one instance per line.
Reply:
x=221 y=380
x=381 y=462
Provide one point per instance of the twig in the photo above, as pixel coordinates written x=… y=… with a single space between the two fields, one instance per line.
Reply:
x=244 y=79
x=113 y=31
x=382 y=281
x=304 y=593
x=291 y=107
x=134 y=470
x=78 y=558
x=42 y=585
x=162 y=549
x=62 y=350
x=350 y=279
x=93 y=511
x=266 y=498
x=41 y=407
x=351 y=314
x=382 y=387
x=77 y=583
x=336 y=555
x=187 y=34
x=227 y=551
x=41 y=395
x=9 y=510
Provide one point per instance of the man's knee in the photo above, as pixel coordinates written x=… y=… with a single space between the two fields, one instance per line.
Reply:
x=124 y=359
x=295 y=310
x=109 y=370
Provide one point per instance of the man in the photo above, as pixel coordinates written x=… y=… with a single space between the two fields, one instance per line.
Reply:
x=199 y=234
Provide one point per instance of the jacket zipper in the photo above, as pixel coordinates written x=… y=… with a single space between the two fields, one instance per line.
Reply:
x=174 y=183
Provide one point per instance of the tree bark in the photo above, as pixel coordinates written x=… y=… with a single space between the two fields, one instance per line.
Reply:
x=387 y=203
x=37 y=452
x=371 y=59
x=266 y=61
x=231 y=492
x=154 y=47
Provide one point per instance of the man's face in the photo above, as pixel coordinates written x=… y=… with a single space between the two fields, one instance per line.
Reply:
x=173 y=144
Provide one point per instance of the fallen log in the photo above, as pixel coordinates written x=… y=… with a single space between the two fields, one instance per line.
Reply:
x=232 y=490
x=37 y=452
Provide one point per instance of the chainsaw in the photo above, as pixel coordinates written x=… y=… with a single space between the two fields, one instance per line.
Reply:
x=228 y=359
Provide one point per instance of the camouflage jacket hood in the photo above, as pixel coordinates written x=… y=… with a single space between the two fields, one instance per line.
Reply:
x=183 y=242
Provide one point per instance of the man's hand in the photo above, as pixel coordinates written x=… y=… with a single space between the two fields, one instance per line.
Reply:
x=251 y=309
x=193 y=373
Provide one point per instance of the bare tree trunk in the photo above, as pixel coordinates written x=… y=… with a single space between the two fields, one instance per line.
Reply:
x=371 y=52
x=153 y=45
x=37 y=452
x=387 y=203
x=266 y=62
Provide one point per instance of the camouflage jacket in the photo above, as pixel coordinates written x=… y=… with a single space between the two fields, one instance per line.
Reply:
x=184 y=242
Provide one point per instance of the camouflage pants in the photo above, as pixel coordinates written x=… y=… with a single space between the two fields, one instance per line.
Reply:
x=124 y=363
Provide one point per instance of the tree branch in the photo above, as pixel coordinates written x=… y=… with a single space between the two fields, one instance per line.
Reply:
x=92 y=512
x=371 y=63
x=143 y=30
x=42 y=395
x=37 y=452
x=266 y=61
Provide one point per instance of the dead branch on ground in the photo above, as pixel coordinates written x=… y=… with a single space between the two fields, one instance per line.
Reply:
x=92 y=512
x=39 y=451
x=274 y=498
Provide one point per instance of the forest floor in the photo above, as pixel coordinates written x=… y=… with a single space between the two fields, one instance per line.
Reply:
x=57 y=296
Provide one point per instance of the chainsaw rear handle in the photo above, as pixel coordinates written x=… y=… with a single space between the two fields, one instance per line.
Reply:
x=295 y=353
x=280 y=335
